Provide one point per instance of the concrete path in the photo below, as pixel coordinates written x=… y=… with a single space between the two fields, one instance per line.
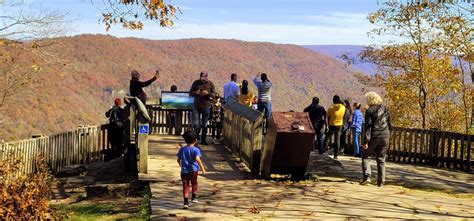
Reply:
x=229 y=191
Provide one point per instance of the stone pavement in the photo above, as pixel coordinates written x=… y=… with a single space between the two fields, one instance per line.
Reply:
x=229 y=191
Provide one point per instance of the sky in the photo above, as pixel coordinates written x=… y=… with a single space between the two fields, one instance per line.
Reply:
x=302 y=22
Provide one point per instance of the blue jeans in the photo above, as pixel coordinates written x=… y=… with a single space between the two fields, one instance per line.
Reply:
x=355 y=139
x=200 y=121
x=265 y=107
x=319 y=142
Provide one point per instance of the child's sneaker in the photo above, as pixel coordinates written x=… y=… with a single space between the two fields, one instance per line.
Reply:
x=185 y=206
x=195 y=200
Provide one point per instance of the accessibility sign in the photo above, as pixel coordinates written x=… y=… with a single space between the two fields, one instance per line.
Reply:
x=144 y=129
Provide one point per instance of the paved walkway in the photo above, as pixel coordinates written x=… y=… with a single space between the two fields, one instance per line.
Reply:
x=229 y=191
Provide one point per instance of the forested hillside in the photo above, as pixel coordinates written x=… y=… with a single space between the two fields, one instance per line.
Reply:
x=81 y=75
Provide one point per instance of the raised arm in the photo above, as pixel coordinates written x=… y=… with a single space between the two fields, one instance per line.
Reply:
x=147 y=83
x=256 y=81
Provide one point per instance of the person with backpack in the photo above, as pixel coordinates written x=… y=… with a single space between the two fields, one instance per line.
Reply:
x=116 y=116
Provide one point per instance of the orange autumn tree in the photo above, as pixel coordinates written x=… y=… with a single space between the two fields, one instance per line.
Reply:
x=456 y=23
x=130 y=13
x=424 y=88
x=442 y=82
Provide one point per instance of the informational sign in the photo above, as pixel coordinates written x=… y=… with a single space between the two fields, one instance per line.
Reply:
x=176 y=100
x=143 y=129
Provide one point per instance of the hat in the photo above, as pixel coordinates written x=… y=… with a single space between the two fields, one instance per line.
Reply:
x=203 y=74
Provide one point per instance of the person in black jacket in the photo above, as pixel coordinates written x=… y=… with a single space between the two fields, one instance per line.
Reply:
x=376 y=137
x=115 y=128
x=136 y=86
x=317 y=115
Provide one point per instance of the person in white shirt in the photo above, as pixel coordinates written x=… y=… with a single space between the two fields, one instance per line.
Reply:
x=231 y=89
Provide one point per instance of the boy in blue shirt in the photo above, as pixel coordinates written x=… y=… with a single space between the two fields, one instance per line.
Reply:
x=189 y=158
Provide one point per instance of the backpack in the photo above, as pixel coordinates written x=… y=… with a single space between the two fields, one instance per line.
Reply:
x=114 y=118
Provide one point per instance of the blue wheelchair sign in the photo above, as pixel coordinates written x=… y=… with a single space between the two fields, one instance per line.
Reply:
x=144 y=129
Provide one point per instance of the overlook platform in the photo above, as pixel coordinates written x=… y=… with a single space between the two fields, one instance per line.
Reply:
x=229 y=190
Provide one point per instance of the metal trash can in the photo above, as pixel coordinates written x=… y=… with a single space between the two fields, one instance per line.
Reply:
x=289 y=140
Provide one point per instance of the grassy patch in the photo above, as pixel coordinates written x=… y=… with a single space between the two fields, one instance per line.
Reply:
x=84 y=211
x=112 y=210
x=145 y=208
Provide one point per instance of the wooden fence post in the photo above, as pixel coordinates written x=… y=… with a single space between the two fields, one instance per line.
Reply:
x=143 y=130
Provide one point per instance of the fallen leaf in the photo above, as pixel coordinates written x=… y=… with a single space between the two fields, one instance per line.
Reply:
x=401 y=192
x=255 y=210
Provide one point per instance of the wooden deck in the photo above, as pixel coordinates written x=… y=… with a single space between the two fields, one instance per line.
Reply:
x=229 y=190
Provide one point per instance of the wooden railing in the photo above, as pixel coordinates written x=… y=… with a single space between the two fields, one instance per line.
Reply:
x=414 y=146
x=160 y=119
x=79 y=146
x=432 y=147
x=243 y=134
x=429 y=147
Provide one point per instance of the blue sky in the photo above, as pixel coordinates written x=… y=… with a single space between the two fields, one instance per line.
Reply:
x=278 y=21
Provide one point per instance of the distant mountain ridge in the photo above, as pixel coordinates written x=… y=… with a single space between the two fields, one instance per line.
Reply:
x=337 y=51
x=89 y=71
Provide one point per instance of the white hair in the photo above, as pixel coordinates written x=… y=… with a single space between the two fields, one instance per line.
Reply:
x=373 y=98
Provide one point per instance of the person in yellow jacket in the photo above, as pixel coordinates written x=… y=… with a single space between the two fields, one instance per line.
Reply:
x=334 y=117
x=246 y=96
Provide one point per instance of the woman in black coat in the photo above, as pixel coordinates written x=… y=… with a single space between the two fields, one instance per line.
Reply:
x=376 y=137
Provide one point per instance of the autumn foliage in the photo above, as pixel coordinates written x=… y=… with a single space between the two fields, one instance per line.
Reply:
x=425 y=72
x=81 y=76
x=130 y=13
x=24 y=197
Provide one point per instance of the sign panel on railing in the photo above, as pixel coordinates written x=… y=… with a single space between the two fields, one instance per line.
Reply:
x=144 y=129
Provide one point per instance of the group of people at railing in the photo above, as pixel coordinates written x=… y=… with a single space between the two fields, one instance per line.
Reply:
x=335 y=123
x=340 y=119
